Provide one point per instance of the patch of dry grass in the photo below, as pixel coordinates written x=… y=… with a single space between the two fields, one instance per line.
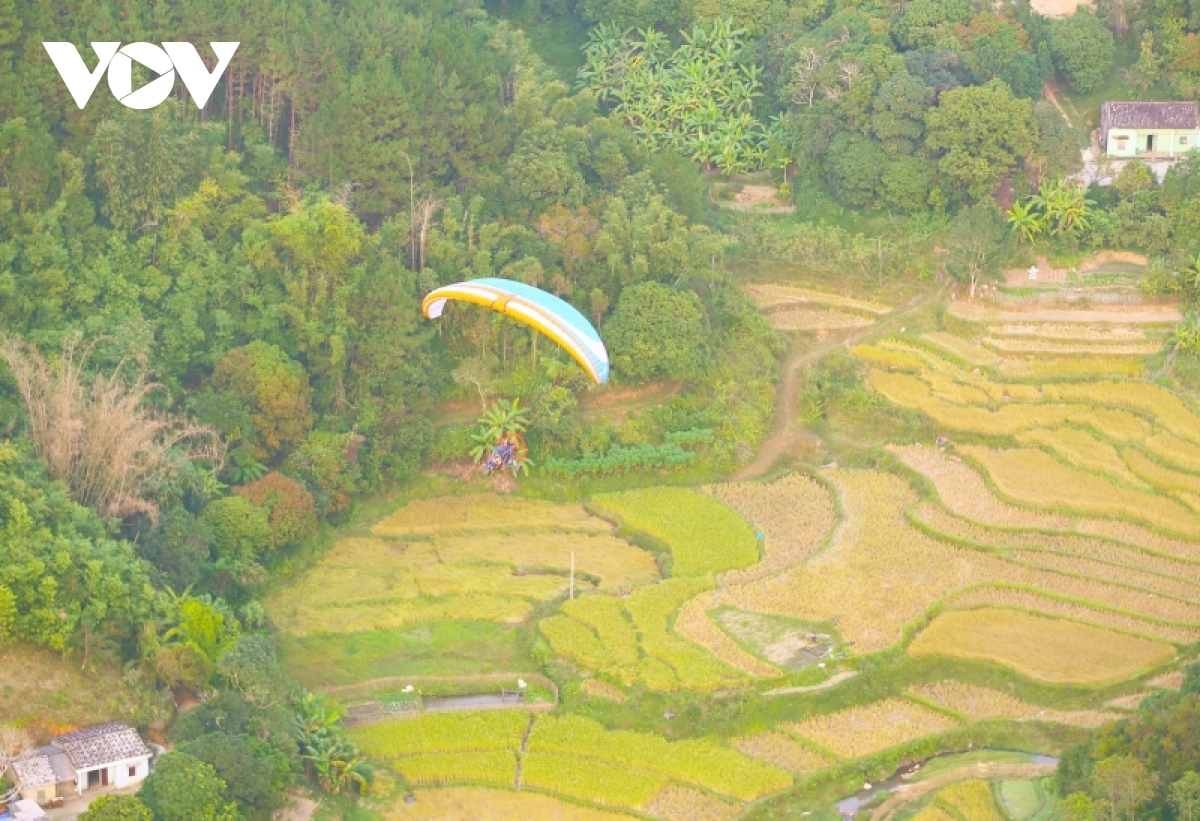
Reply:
x=870 y=728
x=1046 y=649
x=48 y=694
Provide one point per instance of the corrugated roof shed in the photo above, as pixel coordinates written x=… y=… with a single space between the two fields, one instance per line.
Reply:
x=101 y=745
x=1149 y=115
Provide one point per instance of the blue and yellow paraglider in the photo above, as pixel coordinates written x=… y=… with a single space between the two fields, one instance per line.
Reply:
x=536 y=308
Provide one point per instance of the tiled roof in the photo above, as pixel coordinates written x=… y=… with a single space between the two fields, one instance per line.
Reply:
x=100 y=745
x=33 y=769
x=1151 y=115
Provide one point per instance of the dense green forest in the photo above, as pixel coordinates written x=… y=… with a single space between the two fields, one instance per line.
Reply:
x=210 y=317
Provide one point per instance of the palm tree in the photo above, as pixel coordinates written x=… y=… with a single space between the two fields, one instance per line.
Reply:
x=337 y=763
x=1027 y=222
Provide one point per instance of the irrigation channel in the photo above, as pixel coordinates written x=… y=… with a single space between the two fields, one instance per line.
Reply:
x=905 y=789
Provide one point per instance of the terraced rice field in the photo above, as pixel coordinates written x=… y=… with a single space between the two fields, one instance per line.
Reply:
x=783 y=751
x=485 y=511
x=574 y=757
x=816 y=319
x=981 y=703
x=377 y=583
x=795 y=515
x=867 y=729
x=632 y=641
x=1046 y=649
x=769 y=296
x=483 y=804
x=704 y=535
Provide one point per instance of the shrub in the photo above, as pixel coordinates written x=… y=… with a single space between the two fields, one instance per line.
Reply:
x=274 y=389
x=328 y=464
x=293 y=514
x=241 y=532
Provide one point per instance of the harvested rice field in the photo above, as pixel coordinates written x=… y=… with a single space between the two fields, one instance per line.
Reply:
x=1045 y=649
x=810 y=319
x=484 y=804
x=870 y=728
x=768 y=296
x=981 y=703
x=404 y=575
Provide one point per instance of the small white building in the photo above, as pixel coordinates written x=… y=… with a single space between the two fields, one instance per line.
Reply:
x=1149 y=130
x=107 y=755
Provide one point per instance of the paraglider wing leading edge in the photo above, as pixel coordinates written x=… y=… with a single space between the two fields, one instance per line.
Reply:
x=542 y=311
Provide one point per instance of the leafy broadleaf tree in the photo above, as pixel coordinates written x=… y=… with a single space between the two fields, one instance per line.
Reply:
x=184 y=788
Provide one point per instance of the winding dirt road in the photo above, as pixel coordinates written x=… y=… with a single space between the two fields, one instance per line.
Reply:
x=785 y=428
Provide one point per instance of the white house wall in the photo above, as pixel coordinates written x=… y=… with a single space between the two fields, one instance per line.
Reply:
x=118 y=773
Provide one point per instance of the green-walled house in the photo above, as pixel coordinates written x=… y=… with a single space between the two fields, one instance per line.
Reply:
x=1150 y=130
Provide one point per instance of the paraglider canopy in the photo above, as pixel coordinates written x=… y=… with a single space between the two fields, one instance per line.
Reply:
x=536 y=308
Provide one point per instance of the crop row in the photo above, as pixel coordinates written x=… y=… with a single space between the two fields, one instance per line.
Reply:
x=793 y=513
x=981 y=703
x=704 y=535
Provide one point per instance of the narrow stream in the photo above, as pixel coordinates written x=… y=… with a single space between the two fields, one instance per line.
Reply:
x=849 y=807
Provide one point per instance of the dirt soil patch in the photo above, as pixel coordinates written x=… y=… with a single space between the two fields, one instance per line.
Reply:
x=1058 y=8
x=756 y=194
